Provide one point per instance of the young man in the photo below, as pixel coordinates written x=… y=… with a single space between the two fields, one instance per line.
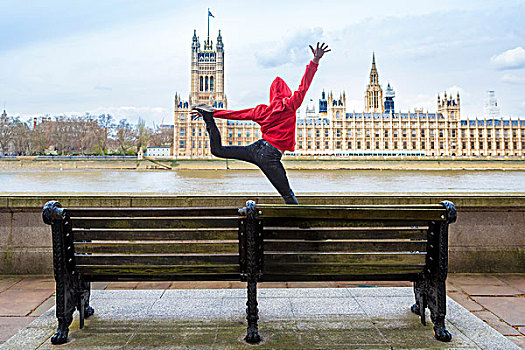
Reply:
x=277 y=121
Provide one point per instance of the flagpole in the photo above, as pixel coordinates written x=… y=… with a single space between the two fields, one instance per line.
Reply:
x=208 y=26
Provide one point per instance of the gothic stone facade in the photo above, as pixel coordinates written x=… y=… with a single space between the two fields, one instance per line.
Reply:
x=334 y=132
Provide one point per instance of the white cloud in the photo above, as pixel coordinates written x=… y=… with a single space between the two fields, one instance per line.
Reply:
x=143 y=61
x=133 y=113
x=291 y=49
x=512 y=79
x=510 y=59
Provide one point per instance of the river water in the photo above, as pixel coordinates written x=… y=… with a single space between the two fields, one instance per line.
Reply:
x=220 y=182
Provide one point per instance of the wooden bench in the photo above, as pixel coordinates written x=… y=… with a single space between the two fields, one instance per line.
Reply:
x=254 y=243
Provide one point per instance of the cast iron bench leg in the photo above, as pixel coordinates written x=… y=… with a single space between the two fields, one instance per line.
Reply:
x=252 y=269
x=438 y=310
x=71 y=291
x=252 y=334
x=430 y=288
x=65 y=306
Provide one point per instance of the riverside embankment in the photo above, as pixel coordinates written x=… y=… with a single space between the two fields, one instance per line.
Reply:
x=292 y=163
x=489 y=235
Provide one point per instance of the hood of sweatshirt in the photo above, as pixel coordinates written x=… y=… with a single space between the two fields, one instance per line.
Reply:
x=279 y=90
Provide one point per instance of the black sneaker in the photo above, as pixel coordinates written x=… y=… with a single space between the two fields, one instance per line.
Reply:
x=204 y=110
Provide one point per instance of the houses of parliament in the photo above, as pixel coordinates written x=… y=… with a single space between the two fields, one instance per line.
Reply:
x=331 y=131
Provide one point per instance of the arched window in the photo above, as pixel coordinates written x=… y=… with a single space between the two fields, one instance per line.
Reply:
x=211 y=84
x=201 y=84
x=206 y=84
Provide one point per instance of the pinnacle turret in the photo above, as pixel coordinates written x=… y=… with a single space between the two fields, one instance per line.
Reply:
x=195 y=44
x=220 y=45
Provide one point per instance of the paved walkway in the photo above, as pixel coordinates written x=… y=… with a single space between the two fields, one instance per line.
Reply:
x=497 y=299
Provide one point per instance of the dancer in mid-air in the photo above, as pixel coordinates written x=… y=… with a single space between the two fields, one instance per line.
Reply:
x=277 y=121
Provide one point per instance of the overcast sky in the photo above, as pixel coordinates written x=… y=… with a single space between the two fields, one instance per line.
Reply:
x=128 y=58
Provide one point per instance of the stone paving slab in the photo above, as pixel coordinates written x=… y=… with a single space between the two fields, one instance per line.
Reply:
x=514 y=280
x=343 y=318
x=21 y=302
x=10 y=325
x=511 y=310
x=6 y=283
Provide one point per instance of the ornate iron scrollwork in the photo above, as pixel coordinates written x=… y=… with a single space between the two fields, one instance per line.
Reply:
x=451 y=211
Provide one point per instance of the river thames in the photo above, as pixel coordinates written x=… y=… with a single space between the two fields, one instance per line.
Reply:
x=220 y=182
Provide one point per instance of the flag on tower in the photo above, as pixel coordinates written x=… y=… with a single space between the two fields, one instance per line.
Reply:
x=209 y=13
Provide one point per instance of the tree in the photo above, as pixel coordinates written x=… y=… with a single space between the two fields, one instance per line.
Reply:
x=143 y=134
x=106 y=123
x=126 y=136
x=22 y=140
x=162 y=136
x=6 y=132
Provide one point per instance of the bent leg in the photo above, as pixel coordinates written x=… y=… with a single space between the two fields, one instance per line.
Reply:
x=274 y=170
x=218 y=150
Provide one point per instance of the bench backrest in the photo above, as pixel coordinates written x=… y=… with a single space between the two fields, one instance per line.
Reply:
x=155 y=243
x=336 y=243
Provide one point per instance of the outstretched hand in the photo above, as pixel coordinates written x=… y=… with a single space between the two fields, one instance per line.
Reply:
x=319 y=51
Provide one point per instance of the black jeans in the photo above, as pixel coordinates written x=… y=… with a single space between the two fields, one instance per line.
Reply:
x=260 y=153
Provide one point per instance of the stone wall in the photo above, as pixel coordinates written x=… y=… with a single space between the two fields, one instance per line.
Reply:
x=489 y=235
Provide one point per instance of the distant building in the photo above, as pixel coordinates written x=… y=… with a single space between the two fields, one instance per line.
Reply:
x=158 y=151
x=374 y=93
x=389 y=99
x=491 y=109
x=207 y=86
x=309 y=110
x=331 y=131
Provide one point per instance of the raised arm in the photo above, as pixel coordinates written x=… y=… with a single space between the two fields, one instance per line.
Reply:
x=298 y=96
x=243 y=114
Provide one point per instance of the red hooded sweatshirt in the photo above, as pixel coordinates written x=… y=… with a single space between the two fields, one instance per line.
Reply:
x=277 y=120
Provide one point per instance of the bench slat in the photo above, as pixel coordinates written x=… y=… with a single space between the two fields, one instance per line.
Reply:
x=314 y=223
x=345 y=258
x=404 y=276
x=344 y=233
x=108 y=277
x=343 y=246
x=299 y=212
x=150 y=222
x=158 y=270
x=175 y=247
x=269 y=258
x=186 y=259
x=339 y=269
x=152 y=212
x=155 y=234
x=343 y=206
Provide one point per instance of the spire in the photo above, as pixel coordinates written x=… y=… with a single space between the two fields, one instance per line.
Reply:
x=220 y=45
x=195 y=45
x=389 y=92
x=374 y=78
